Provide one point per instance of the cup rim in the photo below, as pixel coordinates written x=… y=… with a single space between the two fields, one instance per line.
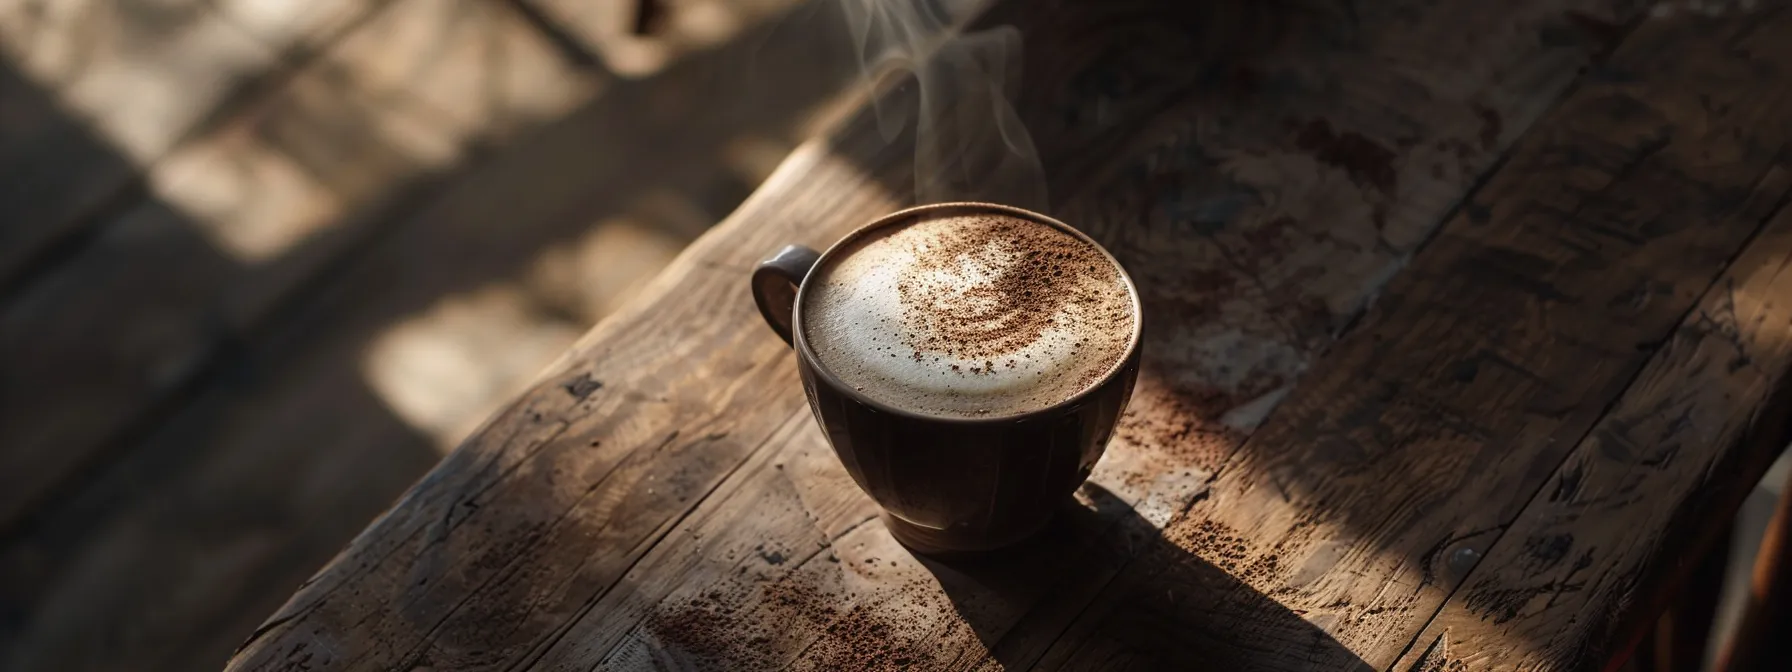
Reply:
x=800 y=339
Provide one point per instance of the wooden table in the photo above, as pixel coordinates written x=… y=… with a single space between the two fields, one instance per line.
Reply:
x=1467 y=332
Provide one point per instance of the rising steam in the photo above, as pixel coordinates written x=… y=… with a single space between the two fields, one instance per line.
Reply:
x=970 y=144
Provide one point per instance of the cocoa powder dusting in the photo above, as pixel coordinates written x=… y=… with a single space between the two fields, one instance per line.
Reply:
x=1033 y=274
x=732 y=628
x=971 y=315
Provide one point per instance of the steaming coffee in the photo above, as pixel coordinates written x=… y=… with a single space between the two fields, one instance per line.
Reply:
x=967 y=361
x=973 y=315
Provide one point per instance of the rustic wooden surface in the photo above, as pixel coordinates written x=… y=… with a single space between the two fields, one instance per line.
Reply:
x=1404 y=455
x=661 y=497
x=323 y=197
x=443 y=178
x=1709 y=406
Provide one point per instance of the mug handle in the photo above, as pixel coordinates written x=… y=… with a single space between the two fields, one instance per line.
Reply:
x=775 y=282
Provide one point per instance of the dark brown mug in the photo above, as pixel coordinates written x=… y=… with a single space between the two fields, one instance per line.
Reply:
x=951 y=484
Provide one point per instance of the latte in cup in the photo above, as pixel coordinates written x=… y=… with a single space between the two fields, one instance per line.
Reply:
x=968 y=314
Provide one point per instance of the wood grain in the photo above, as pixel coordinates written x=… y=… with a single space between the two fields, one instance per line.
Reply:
x=1404 y=455
x=245 y=217
x=685 y=512
x=1636 y=503
x=936 y=617
x=96 y=91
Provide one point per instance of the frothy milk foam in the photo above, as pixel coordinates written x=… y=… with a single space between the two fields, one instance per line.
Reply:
x=969 y=315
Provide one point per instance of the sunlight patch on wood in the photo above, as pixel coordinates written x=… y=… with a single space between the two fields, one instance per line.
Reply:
x=752 y=158
x=408 y=95
x=447 y=369
x=590 y=277
x=141 y=73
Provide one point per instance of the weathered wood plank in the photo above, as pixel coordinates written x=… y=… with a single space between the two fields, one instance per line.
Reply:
x=281 y=459
x=1396 y=464
x=822 y=193
x=1144 y=255
x=1590 y=559
x=690 y=601
x=642 y=522
x=240 y=219
x=120 y=84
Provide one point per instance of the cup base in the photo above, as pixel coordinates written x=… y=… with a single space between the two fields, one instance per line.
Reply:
x=934 y=542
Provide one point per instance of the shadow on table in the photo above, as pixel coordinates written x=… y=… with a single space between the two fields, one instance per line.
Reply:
x=1181 y=612
x=1234 y=317
x=1112 y=67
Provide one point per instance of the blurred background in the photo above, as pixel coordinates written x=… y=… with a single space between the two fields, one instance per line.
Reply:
x=262 y=262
